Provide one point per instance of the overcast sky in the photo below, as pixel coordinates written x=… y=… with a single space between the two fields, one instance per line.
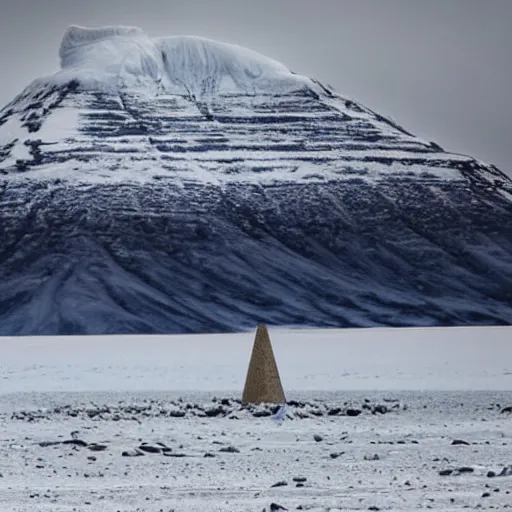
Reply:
x=440 y=68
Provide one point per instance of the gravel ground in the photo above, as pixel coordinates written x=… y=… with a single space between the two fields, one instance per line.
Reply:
x=335 y=451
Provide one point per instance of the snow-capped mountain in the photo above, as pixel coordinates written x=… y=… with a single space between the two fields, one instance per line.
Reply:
x=184 y=185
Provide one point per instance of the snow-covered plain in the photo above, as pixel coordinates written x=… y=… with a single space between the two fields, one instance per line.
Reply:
x=436 y=385
x=459 y=358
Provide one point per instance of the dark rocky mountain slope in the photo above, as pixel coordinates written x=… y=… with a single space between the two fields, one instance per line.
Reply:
x=184 y=185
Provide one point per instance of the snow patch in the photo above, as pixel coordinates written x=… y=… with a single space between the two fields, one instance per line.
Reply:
x=443 y=359
x=76 y=37
x=111 y=57
x=203 y=67
x=60 y=125
x=109 y=53
x=14 y=133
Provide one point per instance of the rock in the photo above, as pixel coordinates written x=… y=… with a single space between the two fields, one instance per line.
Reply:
x=381 y=409
x=299 y=484
x=261 y=413
x=506 y=471
x=281 y=483
x=353 y=412
x=335 y=411
x=148 y=448
x=75 y=442
x=209 y=454
x=318 y=438
x=132 y=453
x=485 y=495
x=177 y=413
x=375 y=456
x=373 y=508
x=229 y=449
x=456 y=442
x=213 y=412
x=491 y=474
x=506 y=409
x=458 y=471
x=44 y=444
x=92 y=458
x=275 y=506
x=299 y=479
x=335 y=455
x=465 y=469
x=95 y=447
x=174 y=454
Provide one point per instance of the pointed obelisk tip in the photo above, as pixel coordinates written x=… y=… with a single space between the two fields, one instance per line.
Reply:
x=263 y=384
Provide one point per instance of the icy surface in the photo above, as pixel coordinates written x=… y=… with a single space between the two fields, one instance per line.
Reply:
x=204 y=68
x=309 y=360
x=231 y=461
x=125 y=56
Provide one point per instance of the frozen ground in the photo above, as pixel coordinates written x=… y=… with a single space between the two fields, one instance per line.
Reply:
x=436 y=386
x=309 y=360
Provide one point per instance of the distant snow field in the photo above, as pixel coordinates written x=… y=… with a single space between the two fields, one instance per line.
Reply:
x=153 y=423
x=457 y=358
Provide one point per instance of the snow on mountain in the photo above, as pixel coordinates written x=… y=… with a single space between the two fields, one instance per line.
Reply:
x=180 y=184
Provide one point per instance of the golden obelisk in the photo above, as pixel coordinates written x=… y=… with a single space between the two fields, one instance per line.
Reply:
x=263 y=384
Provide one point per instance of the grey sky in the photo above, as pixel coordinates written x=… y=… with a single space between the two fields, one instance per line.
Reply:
x=440 y=68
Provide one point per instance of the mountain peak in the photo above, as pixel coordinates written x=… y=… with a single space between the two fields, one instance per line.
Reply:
x=117 y=56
